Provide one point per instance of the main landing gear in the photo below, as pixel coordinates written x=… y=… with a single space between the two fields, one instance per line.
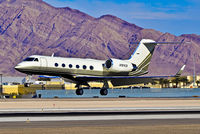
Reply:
x=103 y=91
x=79 y=91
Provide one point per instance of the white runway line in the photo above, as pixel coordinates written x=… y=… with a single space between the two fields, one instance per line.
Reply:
x=92 y=118
x=99 y=117
x=94 y=109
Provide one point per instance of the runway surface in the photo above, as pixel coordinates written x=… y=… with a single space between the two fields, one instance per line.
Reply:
x=101 y=103
x=170 y=122
x=189 y=126
x=97 y=116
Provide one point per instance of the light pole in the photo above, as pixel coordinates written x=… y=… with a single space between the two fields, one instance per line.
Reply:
x=194 y=73
x=1 y=86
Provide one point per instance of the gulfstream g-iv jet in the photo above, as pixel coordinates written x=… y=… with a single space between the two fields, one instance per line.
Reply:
x=81 y=71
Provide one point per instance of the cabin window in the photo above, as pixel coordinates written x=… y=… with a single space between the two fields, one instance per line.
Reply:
x=70 y=65
x=63 y=65
x=56 y=64
x=91 y=67
x=77 y=66
x=84 y=66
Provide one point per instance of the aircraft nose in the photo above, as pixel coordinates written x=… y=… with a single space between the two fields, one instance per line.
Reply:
x=18 y=67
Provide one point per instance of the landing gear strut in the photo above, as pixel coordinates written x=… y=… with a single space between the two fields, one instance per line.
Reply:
x=104 y=90
x=28 y=81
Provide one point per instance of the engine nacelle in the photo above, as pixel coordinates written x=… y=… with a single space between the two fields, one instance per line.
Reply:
x=116 y=65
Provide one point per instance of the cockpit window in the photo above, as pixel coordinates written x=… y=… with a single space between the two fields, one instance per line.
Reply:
x=36 y=59
x=31 y=59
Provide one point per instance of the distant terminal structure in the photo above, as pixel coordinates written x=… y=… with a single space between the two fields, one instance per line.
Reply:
x=8 y=80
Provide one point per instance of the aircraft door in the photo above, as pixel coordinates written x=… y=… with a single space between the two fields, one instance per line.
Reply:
x=43 y=62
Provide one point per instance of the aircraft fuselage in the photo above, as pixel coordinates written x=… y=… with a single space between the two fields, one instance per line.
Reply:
x=59 y=66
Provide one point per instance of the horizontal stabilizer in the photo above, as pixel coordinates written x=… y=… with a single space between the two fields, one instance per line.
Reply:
x=180 y=71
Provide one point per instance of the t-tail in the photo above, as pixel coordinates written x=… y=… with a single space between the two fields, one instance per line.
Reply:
x=142 y=55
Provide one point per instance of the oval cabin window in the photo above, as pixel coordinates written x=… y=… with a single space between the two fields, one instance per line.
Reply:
x=77 y=66
x=56 y=64
x=84 y=66
x=63 y=65
x=91 y=67
x=70 y=66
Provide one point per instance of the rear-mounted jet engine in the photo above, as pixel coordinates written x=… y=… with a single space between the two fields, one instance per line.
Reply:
x=116 y=65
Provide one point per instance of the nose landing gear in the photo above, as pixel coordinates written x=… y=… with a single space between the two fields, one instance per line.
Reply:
x=28 y=81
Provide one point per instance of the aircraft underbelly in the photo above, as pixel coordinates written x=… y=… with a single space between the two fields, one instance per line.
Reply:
x=130 y=81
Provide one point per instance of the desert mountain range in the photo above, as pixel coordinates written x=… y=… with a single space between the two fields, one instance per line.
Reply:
x=29 y=27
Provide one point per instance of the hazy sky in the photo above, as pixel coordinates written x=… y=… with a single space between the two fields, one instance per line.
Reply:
x=173 y=16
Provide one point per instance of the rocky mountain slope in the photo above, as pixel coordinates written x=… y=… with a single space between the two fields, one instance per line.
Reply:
x=33 y=27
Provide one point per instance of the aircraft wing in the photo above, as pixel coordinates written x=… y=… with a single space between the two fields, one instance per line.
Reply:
x=126 y=80
x=120 y=81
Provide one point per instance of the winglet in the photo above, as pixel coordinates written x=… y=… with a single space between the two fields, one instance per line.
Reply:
x=180 y=71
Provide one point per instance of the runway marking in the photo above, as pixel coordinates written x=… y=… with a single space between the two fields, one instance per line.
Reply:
x=106 y=117
x=32 y=110
x=144 y=114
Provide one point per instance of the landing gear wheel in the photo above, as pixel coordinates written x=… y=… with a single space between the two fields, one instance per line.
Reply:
x=104 y=91
x=79 y=91
x=27 y=84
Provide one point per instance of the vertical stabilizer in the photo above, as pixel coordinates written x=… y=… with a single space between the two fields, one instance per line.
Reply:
x=143 y=54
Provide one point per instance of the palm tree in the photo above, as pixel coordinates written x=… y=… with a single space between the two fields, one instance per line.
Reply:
x=161 y=82
x=166 y=82
x=198 y=81
x=184 y=80
x=176 y=80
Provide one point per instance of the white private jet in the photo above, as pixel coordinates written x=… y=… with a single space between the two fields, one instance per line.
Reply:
x=81 y=71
